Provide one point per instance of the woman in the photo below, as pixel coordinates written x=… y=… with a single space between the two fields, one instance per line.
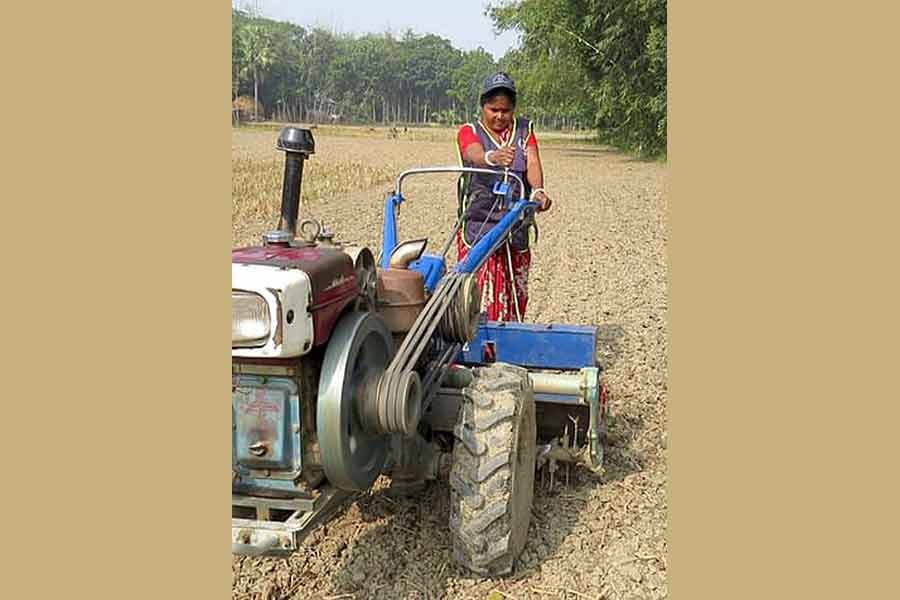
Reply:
x=498 y=141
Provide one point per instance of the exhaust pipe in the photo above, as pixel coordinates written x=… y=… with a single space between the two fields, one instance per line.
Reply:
x=407 y=252
x=297 y=144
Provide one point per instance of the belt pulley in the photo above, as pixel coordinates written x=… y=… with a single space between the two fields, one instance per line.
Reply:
x=454 y=307
x=353 y=453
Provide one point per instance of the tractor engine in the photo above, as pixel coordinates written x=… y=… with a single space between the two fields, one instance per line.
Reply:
x=307 y=352
x=286 y=300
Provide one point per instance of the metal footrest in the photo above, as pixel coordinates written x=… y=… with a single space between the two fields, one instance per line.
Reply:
x=275 y=526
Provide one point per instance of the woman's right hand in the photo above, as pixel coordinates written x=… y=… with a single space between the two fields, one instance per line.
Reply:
x=502 y=157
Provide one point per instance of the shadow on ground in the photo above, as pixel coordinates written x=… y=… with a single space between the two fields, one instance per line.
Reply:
x=408 y=553
x=609 y=344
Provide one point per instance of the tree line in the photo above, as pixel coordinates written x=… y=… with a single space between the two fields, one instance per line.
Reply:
x=299 y=74
x=596 y=64
x=605 y=57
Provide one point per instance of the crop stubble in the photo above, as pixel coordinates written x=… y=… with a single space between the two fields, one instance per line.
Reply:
x=600 y=259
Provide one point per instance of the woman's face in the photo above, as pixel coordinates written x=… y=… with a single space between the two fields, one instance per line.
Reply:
x=497 y=113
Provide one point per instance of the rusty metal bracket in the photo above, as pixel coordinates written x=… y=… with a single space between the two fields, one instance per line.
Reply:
x=267 y=536
x=592 y=396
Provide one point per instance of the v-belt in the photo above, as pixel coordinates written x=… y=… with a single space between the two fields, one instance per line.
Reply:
x=417 y=340
x=394 y=381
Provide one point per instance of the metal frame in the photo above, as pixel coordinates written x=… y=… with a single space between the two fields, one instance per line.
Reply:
x=266 y=537
x=486 y=246
x=395 y=198
x=455 y=169
x=533 y=345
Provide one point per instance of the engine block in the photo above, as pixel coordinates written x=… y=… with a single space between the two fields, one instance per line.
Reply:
x=267 y=448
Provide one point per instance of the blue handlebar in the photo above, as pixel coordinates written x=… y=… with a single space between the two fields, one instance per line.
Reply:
x=483 y=249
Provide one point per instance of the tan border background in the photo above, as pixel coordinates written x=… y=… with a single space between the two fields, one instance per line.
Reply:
x=783 y=134
x=783 y=269
x=116 y=231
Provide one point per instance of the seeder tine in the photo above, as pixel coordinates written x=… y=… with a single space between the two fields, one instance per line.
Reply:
x=575 y=425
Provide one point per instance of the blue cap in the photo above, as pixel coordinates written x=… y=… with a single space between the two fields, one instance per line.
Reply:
x=498 y=81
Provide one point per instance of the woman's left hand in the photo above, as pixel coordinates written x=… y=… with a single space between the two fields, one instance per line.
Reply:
x=544 y=199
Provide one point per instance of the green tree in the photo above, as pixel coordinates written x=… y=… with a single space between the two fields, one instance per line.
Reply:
x=430 y=62
x=257 y=49
x=618 y=48
x=552 y=90
x=466 y=81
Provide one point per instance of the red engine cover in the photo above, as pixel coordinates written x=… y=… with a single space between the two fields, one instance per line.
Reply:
x=330 y=272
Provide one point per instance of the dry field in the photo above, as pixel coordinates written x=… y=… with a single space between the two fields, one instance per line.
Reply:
x=600 y=259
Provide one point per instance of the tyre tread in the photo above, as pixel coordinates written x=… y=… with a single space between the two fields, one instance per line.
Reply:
x=488 y=524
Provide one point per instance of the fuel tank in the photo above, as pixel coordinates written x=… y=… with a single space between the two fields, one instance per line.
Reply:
x=401 y=297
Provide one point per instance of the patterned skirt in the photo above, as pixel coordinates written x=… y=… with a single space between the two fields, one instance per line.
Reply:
x=499 y=290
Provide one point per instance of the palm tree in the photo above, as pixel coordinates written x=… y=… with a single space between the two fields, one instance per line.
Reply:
x=258 y=51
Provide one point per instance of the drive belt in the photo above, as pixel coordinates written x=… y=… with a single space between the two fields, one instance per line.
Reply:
x=395 y=381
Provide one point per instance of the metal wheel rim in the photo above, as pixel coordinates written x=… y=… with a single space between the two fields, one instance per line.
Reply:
x=360 y=348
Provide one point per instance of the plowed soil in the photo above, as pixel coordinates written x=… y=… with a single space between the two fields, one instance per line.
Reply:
x=600 y=259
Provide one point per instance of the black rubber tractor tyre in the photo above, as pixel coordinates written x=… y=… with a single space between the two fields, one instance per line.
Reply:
x=492 y=477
